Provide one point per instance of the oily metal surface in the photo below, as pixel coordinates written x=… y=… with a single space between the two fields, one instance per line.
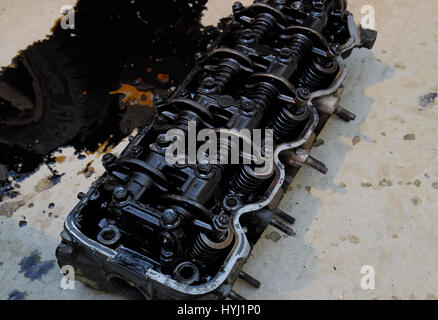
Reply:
x=341 y=225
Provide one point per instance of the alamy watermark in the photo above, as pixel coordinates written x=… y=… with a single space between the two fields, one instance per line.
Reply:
x=68 y=19
x=68 y=279
x=369 y=17
x=367 y=282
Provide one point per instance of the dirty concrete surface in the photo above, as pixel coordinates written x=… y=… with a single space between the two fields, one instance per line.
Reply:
x=376 y=207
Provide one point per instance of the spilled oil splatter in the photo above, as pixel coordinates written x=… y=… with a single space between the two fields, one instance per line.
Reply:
x=33 y=268
x=133 y=97
x=274 y=236
x=8 y=209
x=17 y=295
x=57 y=91
x=428 y=99
x=46 y=183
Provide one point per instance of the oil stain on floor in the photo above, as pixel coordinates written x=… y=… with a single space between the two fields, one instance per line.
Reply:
x=57 y=92
x=17 y=295
x=33 y=268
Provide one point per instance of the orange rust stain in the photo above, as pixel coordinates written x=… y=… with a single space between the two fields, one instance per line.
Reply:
x=163 y=77
x=102 y=148
x=134 y=96
x=60 y=159
x=88 y=171
x=57 y=22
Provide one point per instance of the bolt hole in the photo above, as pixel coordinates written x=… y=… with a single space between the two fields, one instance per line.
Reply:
x=186 y=272
x=231 y=202
x=109 y=235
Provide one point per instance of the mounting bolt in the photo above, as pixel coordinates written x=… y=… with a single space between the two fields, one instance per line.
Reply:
x=169 y=216
x=300 y=157
x=237 y=7
x=336 y=49
x=316 y=164
x=221 y=222
x=120 y=194
x=344 y=114
x=282 y=227
x=199 y=56
x=303 y=93
x=108 y=159
x=136 y=151
x=209 y=83
x=161 y=141
x=157 y=100
x=285 y=53
x=297 y=5
x=249 y=279
x=284 y=216
x=204 y=167
x=302 y=96
x=248 y=105
x=318 y=6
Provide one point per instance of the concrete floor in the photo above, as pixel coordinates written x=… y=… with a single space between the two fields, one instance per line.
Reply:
x=377 y=205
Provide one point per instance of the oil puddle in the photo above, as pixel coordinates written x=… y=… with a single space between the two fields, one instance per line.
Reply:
x=33 y=268
x=93 y=84
x=17 y=295
x=8 y=209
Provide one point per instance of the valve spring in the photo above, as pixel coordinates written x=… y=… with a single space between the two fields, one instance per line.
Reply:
x=224 y=73
x=264 y=94
x=318 y=74
x=245 y=183
x=182 y=122
x=202 y=252
x=262 y=25
x=300 y=44
x=285 y=124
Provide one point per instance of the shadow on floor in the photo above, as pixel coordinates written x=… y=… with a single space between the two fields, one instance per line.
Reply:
x=286 y=273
